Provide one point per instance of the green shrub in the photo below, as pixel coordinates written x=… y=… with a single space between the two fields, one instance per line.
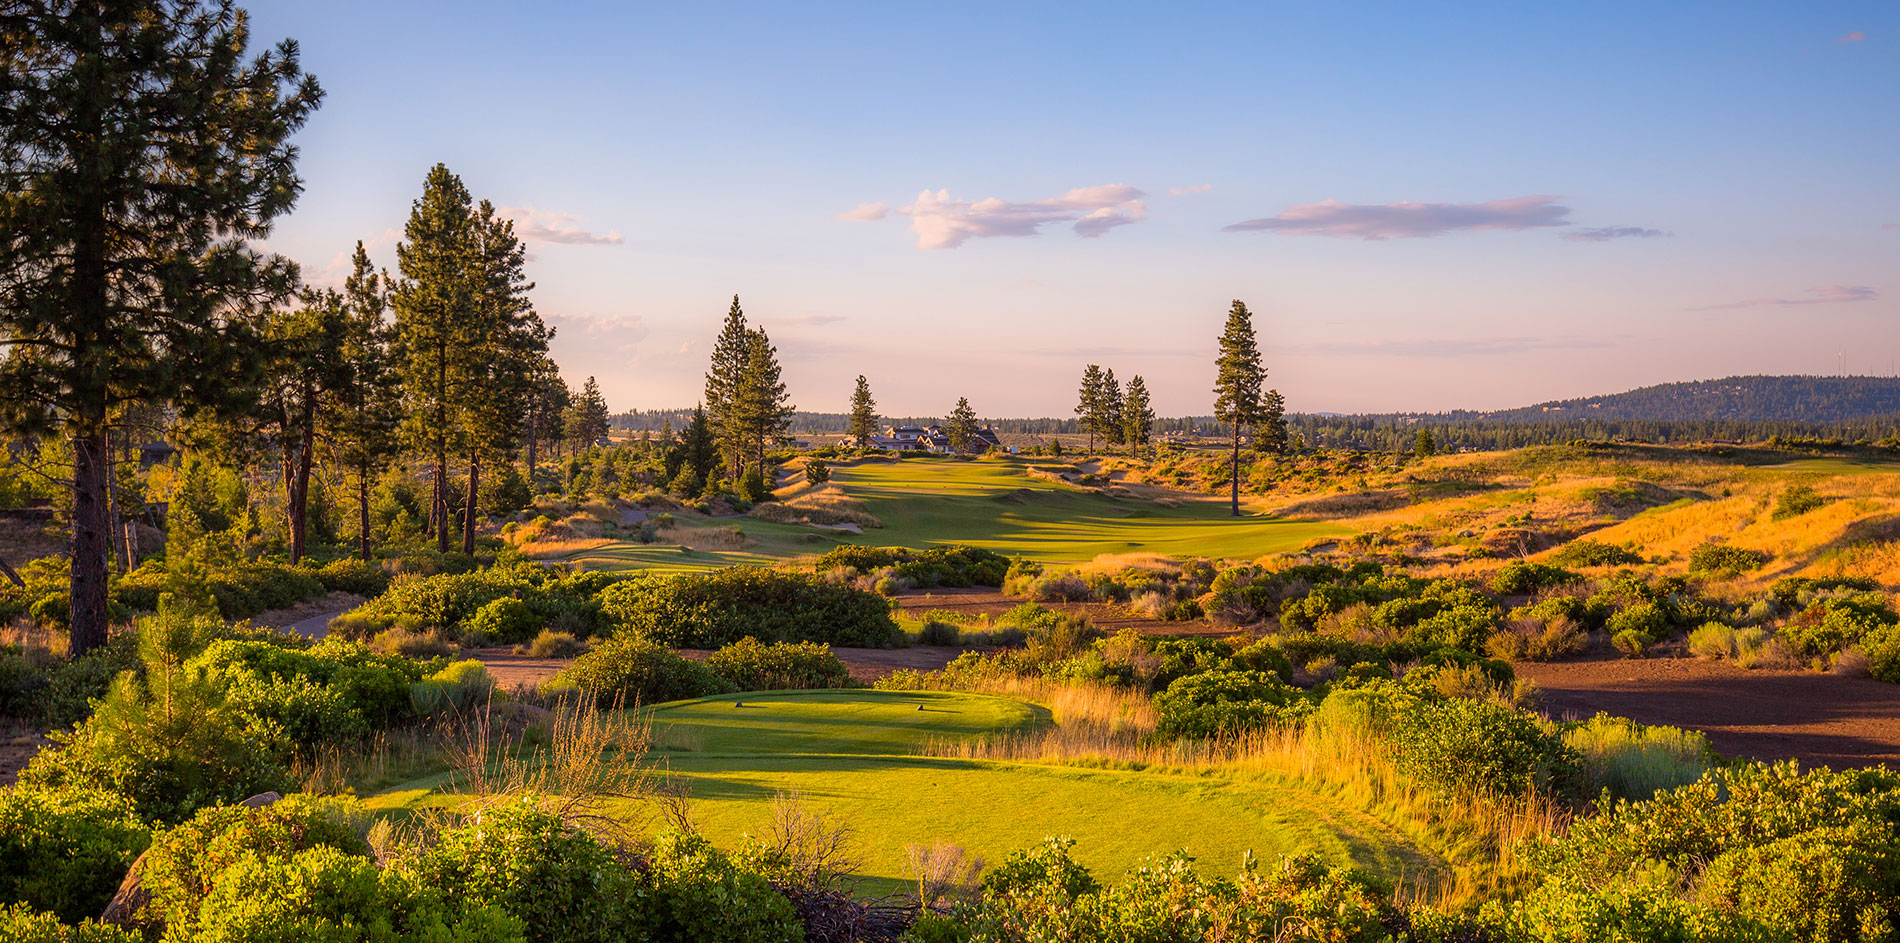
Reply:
x=350 y=575
x=552 y=644
x=187 y=862
x=20 y=923
x=1460 y=744
x=954 y=566
x=938 y=632
x=507 y=620
x=1634 y=761
x=334 y=692
x=1717 y=559
x=1465 y=627
x=1796 y=501
x=321 y=893
x=407 y=642
x=66 y=851
x=557 y=881
x=624 y=671
x=1522 y=577
x=456 y=689
x=752 y=665
x=707 y=610
x=692 y=891
x=1643 y=618
x=1226 y=702
x=1827 y=627
x=1587 y=552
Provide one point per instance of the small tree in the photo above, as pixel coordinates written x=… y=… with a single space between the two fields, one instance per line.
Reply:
x=1237 y=385
x=1424 y=446
x=724 y=380
x=863 y=413
x=762 y=409
x=1109 y=416
x=587 y=417
x=1088 y=405
x=1270 y=433
x=817 y=472
x=962 y=428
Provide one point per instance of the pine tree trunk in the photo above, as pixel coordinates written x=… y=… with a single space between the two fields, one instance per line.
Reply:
x=90 y=530
x=531 y=443
x=1234 y=471
x=468 y=510
x=300 y=488
x=441 y=512
x=116 y=528
x=362 y=512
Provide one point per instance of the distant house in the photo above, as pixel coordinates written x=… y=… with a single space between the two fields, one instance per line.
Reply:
x=930 y=439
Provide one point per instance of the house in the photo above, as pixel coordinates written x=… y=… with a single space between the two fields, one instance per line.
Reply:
x=930 y=439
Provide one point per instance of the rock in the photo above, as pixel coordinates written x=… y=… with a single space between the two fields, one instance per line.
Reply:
x=261 y=800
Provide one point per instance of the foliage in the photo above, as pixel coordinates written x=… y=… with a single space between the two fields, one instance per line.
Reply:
x=1226 y=702
x=556 y=880
x=506 y=620
x=1634 y=761
x=692 y=891
x=1587 y=552
x=751 y=665
x=628 y=670
x=189 y=861
x=1796 y=501
x=1719 y=559
x=1830 y=625
x=1460 y=744
x=65 y=851
x=707 y=610
x=1522 y=577
x=955 y=566
x=20 y=923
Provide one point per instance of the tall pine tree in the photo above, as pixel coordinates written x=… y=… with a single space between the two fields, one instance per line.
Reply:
x=361 y=422
x=1109 y=409
x=507 y=342
x=962 y=428
x=435 y=307
x=140 y=148
x=1088 y=405
x=724 y=381
x=1138 y=418
x=587 y=417
x=863 y=413
x=1237 y=385
x=1270 y=433
x=762 y=409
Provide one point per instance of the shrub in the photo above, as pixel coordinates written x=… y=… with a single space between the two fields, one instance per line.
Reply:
x=938 y=632
x=322 y=893
x=752 y=665
x=1826 y=627
x=939 y=566
x=456 y=689
x=1225 y=702
x=692 y=891
x=1523 y=577
x=1643 y=618
x=552 y=644
x=506 y=620
x=1719 y=641
x=624 y=671
x=707 y=610
x=187 y=862
x=1717 y=559
x=20 y=923
x=1586 y=552
x=1634 y=761
x=410 y=643
x=66 y=851
x=350 y=575
x=1537 y=639
x=1795 y=501
x=556 y=880
x=1464 y=627
x=333 y=692
x=1459 y=745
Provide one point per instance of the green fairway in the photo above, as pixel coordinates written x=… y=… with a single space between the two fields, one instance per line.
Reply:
x=851 y=754
x=998 y=504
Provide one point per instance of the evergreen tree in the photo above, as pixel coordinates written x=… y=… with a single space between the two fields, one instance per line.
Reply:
x=1088 y=405
x=962 y=428
x=1237 y=385
x=1270 y=433
x=434 y=302
x=1138 y=419
x=761 y=409
x=361 y=422
x=139 y=149
x=507 y=344
x=863 y=413
x=724 y=380
x=304 y=371
x=701 y=452
x=1110 y=409
x=547 y=411
x=587 y=416
x=1424 y=446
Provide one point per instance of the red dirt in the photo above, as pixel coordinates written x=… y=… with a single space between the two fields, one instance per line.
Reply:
x=1819 y=719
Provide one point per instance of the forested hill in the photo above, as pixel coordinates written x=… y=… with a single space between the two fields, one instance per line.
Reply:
x=1735 y=399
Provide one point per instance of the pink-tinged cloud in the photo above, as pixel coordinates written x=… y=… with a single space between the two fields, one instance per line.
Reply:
x=1409 y=220
x=621 y=334
x=1853 y=37
x=532 y=225
x=867 y=212
x=944 y=223
x=1184 y=191
x=1886 y=226
x=1824 y=295
x=1607 y=233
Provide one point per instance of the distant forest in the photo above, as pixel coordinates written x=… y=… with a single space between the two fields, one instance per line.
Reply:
x=1736 y=409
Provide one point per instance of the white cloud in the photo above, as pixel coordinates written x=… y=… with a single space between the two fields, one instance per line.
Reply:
x=1409 y=220
x=620 y=334
x=533 y=225
x=944 y=223
x=1853 y=37
x=1183 y=191
x=1606 y=233
x=332 y=273
x=1824 y=295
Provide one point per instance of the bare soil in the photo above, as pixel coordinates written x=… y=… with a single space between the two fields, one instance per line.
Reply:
x=982 y=601
x=1818 y=719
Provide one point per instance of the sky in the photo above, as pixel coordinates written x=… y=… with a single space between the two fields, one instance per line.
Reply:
x=1425 y=208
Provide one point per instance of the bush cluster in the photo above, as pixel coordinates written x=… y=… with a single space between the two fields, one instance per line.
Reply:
x=938 y=566
x=708 y=610
x=751 y=665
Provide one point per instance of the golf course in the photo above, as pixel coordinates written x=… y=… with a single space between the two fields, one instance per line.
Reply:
x=1001 y=504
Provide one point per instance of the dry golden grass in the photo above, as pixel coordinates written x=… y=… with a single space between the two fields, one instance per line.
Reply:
x=728 y=537
x=822 y=504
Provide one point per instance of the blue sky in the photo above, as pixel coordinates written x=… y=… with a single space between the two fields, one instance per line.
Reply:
x=1425 y=209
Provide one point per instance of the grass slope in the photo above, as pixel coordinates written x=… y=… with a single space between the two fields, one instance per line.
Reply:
x=851 y=754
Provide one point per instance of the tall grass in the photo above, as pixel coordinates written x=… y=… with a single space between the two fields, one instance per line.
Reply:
x=1478 y=838
x=1634 y=761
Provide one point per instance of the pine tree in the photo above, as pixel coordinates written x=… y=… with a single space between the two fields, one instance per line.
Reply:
x=1110 y=416
x=724 y=379
x=863 y=413
x=304 y=371
x=1138 y=419
x=507 y=343
x=1424 y=446
x=701 y=452
x=435 y=302
x=546 y=409
x=761 y=410
x=1237 y=385
x=962 y=428
x=361 y=422
x=1270 y=433
x=139 y=149
x=587 y=417
x=1088 y=406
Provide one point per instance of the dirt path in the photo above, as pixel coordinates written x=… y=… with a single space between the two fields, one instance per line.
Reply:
x=1819 y=719
x=310 y=619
